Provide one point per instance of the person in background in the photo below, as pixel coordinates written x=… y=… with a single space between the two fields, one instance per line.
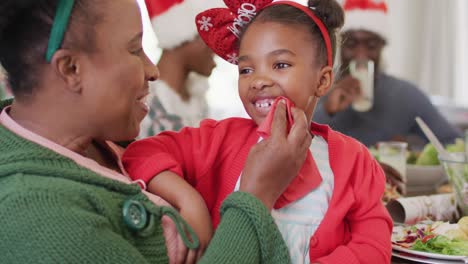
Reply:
x=178 y=97
x=79 y=75
x=396 y=102
x=330 y=211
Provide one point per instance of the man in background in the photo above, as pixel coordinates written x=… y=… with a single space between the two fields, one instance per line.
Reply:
x=396 y=103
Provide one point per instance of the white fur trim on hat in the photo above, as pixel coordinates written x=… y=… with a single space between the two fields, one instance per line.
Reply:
x=373 y=21
x=177 y=25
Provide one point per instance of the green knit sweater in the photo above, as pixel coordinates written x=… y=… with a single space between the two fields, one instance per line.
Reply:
x=54 y=211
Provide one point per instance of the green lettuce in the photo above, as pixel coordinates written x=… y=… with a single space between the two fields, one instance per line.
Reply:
x=443 y=245
x=428 y=156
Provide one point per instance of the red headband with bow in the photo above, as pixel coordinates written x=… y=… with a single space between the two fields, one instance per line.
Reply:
x=365 y=5
x=221 y=28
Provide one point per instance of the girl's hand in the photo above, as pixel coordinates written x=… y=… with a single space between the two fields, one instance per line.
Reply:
x=198 y=217
x=193 y=210
x=273 y=163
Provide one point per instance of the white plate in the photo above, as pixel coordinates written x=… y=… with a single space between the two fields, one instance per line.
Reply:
x=426 y=255
x=397 y=233
x=419 y=259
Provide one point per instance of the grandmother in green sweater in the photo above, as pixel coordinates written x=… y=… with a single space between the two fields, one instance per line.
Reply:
x=80 y=78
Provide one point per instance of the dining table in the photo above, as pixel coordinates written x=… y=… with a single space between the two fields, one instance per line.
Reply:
x=444 y=189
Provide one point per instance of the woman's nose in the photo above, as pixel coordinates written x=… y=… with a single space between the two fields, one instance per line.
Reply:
x=151 y=70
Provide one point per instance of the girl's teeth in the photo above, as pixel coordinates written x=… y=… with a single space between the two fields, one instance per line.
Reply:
x=263 y=104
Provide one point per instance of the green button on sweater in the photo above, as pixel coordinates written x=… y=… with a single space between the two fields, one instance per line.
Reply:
x=54 y=211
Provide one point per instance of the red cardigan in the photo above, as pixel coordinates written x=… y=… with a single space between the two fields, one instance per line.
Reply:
x=356 y=227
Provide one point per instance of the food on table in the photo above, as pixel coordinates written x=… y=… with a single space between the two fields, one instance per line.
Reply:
x=428 y=156
x=463 y=224
x=393 y=185
x=436 y=237
x=459 y=146
x=412 y=157
x=457 y=173
x=390 y=193
x=456 y=234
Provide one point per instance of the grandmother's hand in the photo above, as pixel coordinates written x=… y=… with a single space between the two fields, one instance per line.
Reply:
x=273 y=163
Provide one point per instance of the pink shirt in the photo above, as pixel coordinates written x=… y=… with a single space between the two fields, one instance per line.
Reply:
x=170 y=232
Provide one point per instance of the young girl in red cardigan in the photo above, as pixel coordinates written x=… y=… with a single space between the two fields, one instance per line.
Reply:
x=332 y=211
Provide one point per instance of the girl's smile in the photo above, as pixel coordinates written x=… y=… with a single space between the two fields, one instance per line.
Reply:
x=263 y=104
x=282 y=64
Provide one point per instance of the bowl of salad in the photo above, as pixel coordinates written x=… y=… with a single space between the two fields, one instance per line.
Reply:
x=439 y=240
x=424 y=170
x=457 y=173
x=424 y=178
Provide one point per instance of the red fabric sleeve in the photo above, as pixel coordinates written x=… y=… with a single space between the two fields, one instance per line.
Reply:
x=178 y=152
x=210 y=158
x=369 y=222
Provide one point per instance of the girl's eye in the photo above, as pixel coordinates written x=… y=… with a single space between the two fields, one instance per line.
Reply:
x=281 y=65
x=245 y=71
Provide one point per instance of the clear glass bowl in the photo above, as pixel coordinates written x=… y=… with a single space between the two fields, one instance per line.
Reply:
x=457 y=174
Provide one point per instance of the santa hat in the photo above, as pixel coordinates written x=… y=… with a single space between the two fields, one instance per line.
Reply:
x=370 y=15
x=173 y=20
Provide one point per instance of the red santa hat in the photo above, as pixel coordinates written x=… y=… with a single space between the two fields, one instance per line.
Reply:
x=370 y=15
x=173 y=20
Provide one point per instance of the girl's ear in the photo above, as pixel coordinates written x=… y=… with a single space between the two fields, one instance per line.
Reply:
x=325 y=81
x=68 y=68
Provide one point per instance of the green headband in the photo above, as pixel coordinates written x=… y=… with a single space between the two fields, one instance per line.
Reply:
x=62 y=17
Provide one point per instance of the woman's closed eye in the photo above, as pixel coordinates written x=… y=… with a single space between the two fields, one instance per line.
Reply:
x=137 y=51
